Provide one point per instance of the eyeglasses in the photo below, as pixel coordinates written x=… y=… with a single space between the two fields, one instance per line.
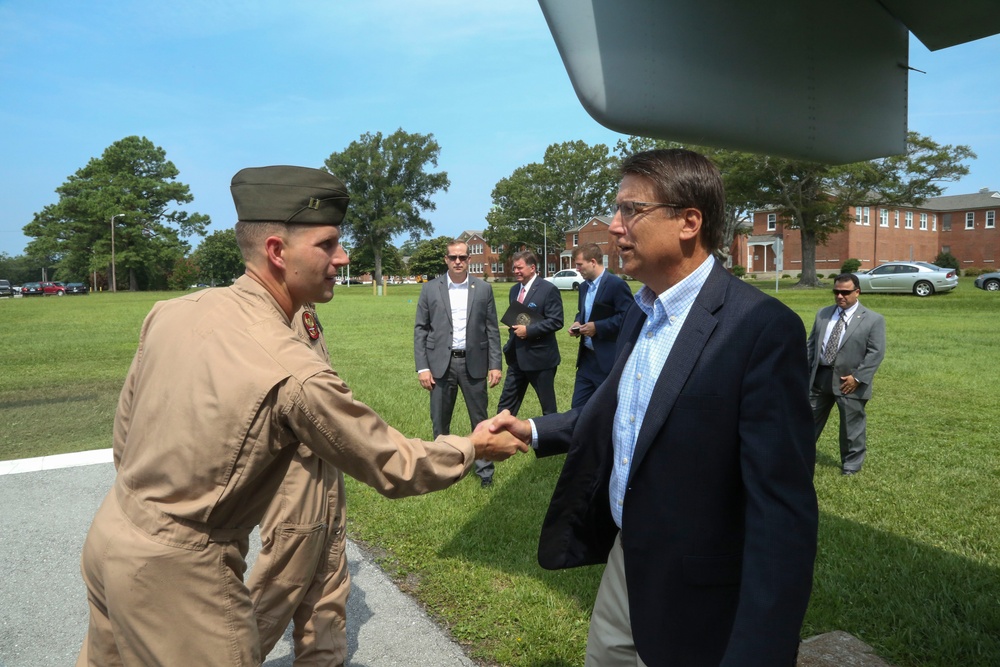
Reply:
x=629 y=209
x=843 y=292
x=458 y=258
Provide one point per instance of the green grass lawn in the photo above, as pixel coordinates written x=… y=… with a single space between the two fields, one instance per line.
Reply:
x=909 y=553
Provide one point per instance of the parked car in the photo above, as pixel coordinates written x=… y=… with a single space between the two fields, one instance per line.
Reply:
x=32 y=289
x=350 y=281
x=6 y=289
x=918 y=278
x=567 y=279
x=77 y=288
x=989 y=281
x=43 y=289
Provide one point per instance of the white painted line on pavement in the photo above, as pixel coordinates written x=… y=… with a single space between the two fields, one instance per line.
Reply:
x=57 y=461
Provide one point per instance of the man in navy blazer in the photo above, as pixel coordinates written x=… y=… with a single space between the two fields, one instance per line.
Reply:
x=604 y=299
x=690 y=469
x=532 y=352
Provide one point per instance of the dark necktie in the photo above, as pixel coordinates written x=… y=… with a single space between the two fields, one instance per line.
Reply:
x=830 y=353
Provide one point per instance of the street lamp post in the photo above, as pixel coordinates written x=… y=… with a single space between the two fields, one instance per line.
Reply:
x=545 y=245
x=114 y=281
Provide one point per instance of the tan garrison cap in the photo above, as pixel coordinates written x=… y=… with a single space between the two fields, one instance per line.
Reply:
x=290 y=195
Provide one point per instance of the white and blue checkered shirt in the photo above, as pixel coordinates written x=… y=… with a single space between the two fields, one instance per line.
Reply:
x=665 y=315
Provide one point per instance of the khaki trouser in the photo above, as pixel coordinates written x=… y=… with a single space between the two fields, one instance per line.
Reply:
x=609 y=642
x=301 y=573
x=134 y=583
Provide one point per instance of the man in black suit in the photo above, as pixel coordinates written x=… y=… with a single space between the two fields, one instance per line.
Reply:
x=604 y=299
x=456 y=343
x=690 y=469
x=532 y=351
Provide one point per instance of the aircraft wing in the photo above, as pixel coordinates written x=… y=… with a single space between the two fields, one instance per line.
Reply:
x=824 y=81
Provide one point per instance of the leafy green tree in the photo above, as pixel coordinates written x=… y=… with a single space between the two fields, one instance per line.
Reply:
x=574 y=182
x=363 y=261
x=428 y=258
x=127 y=195
x=390 y=187
x=184 y=275
x=218 y=258
x=816 y=198
x=21 y=269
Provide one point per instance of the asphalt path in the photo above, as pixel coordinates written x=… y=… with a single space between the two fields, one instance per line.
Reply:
x=43 y=604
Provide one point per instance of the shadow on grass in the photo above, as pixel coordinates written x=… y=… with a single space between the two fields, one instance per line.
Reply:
x=914 y=603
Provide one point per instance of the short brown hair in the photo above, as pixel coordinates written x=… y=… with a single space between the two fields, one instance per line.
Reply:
x=589 y=251
x=250 y=236
x=528 y=257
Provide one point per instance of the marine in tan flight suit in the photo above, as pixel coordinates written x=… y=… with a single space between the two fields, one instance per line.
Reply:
x=301 y=573
x=219 y=396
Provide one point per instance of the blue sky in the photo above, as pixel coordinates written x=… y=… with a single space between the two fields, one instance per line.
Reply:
x=224 y=85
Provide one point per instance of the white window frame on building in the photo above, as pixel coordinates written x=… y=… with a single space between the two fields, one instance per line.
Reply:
x=933 y=222
x=883 y=217
x=991 y=219
x=576 y=240
x=909 y=220
x=970 y=220
x=923 y=222
x=897 y=218
x=772 y=222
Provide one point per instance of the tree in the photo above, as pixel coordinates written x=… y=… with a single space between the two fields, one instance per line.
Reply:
x=389 y=188
x=184 y=274
x=816 y=198
x=363 y=260
x=218 y=258
x=131 y=187
x=428 y=258
x=574 y=182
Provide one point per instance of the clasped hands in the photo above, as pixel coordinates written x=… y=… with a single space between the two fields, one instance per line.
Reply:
x=501 y=437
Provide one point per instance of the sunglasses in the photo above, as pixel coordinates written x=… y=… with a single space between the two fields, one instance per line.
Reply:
x=458 y=258
x=843 y=292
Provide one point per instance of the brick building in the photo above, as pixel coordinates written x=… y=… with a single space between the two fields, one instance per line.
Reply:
x=964 y=225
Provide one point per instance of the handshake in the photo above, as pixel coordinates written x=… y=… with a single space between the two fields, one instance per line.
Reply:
x=501 y=437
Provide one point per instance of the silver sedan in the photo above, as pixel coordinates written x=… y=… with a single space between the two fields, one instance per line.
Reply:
x=918 y=278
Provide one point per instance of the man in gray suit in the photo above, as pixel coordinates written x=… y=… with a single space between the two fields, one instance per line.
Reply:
x=846 y=346
x=456 y=343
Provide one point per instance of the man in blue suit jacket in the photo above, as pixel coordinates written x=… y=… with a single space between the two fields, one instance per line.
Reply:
x=532 y=352
x=690 y=469
x=604 y=299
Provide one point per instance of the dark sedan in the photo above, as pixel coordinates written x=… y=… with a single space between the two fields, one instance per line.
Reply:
x=76 y=288
x=989 y=281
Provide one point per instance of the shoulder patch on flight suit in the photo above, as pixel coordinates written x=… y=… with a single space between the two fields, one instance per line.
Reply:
x=311 y=324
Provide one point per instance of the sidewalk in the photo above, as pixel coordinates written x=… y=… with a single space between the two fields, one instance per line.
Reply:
x=48 y=504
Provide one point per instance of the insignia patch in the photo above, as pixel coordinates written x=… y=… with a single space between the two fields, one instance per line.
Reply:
x=312 y=326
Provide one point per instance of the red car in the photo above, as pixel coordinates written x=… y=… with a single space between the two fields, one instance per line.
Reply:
x=43 y=289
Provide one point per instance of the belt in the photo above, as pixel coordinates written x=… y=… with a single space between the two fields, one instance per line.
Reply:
x=458 y=353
